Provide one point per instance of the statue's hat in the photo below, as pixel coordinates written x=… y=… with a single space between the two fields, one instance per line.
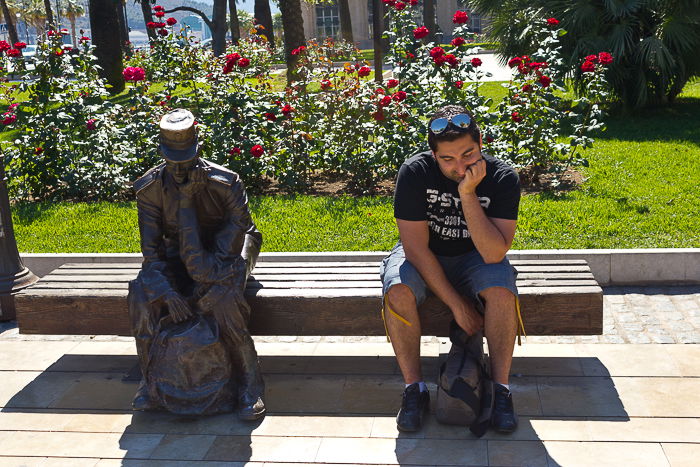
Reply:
x=178 y=136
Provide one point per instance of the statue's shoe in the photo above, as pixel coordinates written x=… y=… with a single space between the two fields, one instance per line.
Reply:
x=250 y=407
x=141 y=400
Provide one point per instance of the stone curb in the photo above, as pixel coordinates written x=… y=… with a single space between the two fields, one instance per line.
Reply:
x=670 y=266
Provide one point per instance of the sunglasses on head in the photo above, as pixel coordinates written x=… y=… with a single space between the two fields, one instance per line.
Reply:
x=459 y=122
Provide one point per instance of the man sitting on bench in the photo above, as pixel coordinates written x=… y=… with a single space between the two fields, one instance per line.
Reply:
x=456 y=209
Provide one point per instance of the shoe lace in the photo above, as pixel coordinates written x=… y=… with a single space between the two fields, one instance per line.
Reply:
x=411 y=400
x=503 y=401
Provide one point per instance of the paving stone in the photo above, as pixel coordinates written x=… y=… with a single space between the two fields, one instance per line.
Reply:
x=682 y=455
x=689 y=337
x=605 y=454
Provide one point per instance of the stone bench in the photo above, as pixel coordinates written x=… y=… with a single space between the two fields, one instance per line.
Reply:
x=320 y=294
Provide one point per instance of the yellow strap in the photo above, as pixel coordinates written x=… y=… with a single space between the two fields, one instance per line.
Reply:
x=385 y=306
x=521 y=327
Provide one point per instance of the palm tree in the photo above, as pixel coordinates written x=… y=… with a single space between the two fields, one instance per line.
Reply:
x=49 y=14
x=654 y=43
x=293 y=25
x=263 y=17
x=9 y=17
x=72 y=9
x=35 y=15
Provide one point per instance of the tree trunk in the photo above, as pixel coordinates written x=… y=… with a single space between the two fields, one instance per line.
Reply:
x=73 y=35
x=148 y=18
x=218 y=33
x=49 y=15
x=293 y=25
x=105 y=38
x=9 y=19
x=233 y=21
x=263 y=17
x=429 y=18
x=377 y=29
x=123 y=31
x=345 y=21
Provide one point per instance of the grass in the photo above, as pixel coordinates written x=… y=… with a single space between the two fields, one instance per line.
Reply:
x=642 y=190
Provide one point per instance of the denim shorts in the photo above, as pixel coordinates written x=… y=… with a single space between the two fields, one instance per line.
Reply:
x=468 y=273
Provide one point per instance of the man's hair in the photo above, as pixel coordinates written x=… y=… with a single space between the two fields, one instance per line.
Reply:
x=451 y=134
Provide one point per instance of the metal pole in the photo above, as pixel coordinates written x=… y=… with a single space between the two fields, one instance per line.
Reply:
x=14 y=276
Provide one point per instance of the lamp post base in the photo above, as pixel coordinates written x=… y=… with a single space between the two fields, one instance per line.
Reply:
x=8 y=287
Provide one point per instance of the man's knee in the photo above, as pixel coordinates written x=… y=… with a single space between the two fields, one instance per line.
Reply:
x=498 y=296
x=400 y=296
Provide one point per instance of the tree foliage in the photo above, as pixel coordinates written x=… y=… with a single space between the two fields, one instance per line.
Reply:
x=655 y=43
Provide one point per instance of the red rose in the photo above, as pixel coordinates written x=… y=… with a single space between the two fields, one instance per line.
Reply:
x=90 y=124
x=437 y=52
x=20 y=45
x=527 y=87
x=524 y=69
x=233 y=58
x=134 y=73
x=325 y=84
x=460 y=17
x=515 y=116
x=552 y=21
x=4 y=46
x=384 y=101
x=515 y=61
x=452 y=60
x=413 y=2
x=421 y=32
x=605 y=58
x=270 y=116
x=537 y=65
x=364 y=71
x=158 y=8
x=12 y=106
x=588 y=67
x=287 y=109
x=457 y=41
x=476 y=62
x=159 y=14
x=544 y=80
x=526 y=58
x=410 y=56
x=243 y=62
x=399 y=5
x=257 y=151
x=439 y=60
x=399 y=96
x=171 y=21
x=160 y=24
x=489 y=139
x=378 y=115
x=234 y=151
x=84 y=39
x=50 y=33
x=38 y=150
x=392 y=83
x=14 y=53
x=298 y=50
x=379 y=91
x=389 y=2
x=591 y=58
x=163 y=32
x=64 y=31
x=9 y=118
x=459 y=84
x=151 y=25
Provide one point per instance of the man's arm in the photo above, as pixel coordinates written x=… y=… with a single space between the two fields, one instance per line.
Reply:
x=492 y=237
x=415 y=237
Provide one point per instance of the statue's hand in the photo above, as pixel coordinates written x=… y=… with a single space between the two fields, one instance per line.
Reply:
x=196 y=181
x=177 y=307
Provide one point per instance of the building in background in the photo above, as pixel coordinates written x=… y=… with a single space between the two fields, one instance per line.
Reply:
x=323 y=20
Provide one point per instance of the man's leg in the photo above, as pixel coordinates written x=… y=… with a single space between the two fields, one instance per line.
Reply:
x=500 y=325
x=500 y=328
x=404 y=338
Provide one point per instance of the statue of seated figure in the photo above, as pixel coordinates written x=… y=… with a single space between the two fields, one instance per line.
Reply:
x=187 y=310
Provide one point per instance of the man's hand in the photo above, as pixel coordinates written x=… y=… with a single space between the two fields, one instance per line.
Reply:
x=177 y=307
x=468 y=318
x=196 y=181
x=474 y=175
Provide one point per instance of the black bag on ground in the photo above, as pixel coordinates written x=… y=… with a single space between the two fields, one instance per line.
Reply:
x=465 y=390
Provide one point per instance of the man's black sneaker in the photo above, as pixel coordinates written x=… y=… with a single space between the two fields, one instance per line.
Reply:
x=503 y=418
x=413 y=404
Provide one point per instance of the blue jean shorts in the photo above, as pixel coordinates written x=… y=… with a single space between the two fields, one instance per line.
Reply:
x=467 y=273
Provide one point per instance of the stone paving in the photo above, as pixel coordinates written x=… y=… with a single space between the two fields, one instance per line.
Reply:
x=332 y=401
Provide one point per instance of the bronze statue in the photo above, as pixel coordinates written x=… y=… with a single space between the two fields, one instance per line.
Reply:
x=187 y=309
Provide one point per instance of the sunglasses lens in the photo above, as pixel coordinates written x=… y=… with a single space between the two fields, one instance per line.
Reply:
x=438 y=125
x=461 y=120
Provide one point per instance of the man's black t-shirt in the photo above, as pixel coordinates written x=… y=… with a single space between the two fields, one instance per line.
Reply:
x=424 y=193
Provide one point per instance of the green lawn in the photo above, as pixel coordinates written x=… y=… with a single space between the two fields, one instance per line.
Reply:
x=642 y=191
